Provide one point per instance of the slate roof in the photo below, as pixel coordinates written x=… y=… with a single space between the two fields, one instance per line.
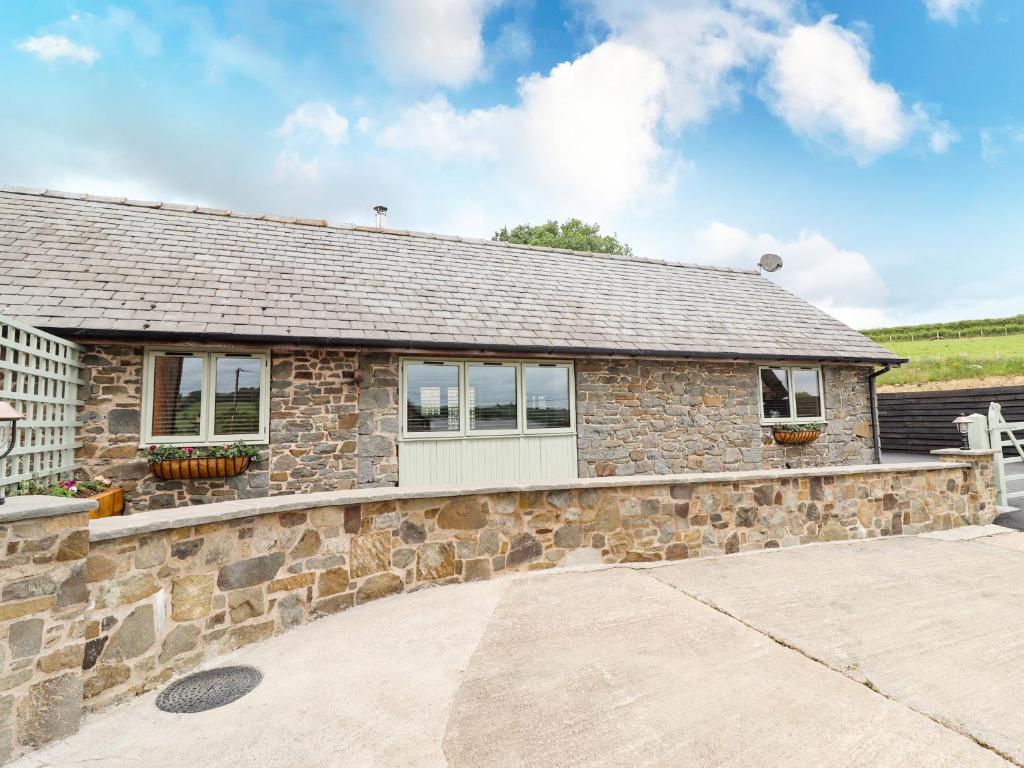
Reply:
x=84 y=266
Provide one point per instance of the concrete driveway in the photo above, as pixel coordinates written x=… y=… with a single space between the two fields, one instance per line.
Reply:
x=895 y=652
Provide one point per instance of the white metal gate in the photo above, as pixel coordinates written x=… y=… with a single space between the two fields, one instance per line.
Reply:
x=39 y=377
x=1001 y=435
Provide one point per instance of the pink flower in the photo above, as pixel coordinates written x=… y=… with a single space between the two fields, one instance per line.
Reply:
x=188 y=450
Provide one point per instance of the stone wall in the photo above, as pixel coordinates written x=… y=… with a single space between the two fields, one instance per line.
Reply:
x=378 y=419
x=170 y=591
x=161 y=591
x=335 y=423
x=313 y=419
x=43 y=599
x=663 y=416
x=313 y=429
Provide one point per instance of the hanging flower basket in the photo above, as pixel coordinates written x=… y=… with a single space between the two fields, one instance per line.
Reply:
x=170 y=462
x=197 y=469
x=797 y=434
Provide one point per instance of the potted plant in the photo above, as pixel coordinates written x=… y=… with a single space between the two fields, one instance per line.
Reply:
x=172 y=462
x=797 y=434
x=109 y=496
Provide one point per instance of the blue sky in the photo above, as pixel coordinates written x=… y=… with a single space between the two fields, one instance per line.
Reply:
x=877 y=145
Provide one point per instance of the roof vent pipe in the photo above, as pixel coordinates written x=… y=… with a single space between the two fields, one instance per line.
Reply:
x=382 y=215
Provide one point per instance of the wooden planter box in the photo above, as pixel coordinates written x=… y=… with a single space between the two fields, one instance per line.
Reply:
x=111 y=503
x=796 y=438
x=197 y=469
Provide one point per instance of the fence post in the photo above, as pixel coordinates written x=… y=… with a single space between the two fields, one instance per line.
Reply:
x=977 y=433
x=995 y=427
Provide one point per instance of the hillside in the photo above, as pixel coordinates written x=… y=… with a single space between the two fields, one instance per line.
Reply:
x=972 y=361
x=960 y=329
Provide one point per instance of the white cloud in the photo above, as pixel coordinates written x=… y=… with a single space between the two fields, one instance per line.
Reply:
x=949 y=10
x=53 y=47
x=513 y=43
x=705 y=46
x=316 y=119
x=590 y=126
x=120 y=21
x=817 y=76
x=841 y=282
x=291 y=166
x=941 y=135
x=237 y=55
x=436 y=128
x=106 y=31
x=819 y=81
x=996 y=142
x=583 y=136
x=591 y=135
x=427 y=41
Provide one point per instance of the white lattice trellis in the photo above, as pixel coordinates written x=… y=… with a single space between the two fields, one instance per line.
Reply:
x=39 y=376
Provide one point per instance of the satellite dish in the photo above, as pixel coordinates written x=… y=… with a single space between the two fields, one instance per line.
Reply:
x=770 y=262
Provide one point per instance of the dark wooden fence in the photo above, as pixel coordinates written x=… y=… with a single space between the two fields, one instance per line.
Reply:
x=922 y=421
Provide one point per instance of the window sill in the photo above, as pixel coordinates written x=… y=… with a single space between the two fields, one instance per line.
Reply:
x=260 y=442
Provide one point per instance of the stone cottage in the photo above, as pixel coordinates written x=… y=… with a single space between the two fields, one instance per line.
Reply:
x=362 y=356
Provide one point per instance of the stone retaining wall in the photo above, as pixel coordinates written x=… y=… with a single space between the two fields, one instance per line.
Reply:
x=160 y=592
x=43 y=601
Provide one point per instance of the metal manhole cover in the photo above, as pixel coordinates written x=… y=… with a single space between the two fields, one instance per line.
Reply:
x=208 y=690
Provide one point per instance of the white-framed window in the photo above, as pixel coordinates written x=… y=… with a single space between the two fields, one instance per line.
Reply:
x=791 y=394
x=205 y=397
x=444 y=398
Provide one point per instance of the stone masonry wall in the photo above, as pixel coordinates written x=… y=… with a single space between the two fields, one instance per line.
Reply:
x=313 y=419
x=43 y=599
x=335 y=423
x=94 y=613
x=165 y=600
x=378 y=419
x=663 y=417
x=313 y=429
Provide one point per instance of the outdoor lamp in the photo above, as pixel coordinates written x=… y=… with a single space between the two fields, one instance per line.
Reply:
x=961 y=423
x=10 y=417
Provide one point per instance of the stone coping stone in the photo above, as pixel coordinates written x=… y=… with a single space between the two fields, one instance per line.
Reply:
x=185 y=517
x=966 y=453
x=17 y=508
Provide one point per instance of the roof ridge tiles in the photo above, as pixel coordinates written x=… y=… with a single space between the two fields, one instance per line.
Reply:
x=323 y=223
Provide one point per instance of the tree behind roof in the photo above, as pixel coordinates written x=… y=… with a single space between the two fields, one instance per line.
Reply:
x=572 y=234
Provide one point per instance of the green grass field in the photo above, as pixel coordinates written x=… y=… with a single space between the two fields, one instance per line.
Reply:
x=949 y=359
x=992 y=326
